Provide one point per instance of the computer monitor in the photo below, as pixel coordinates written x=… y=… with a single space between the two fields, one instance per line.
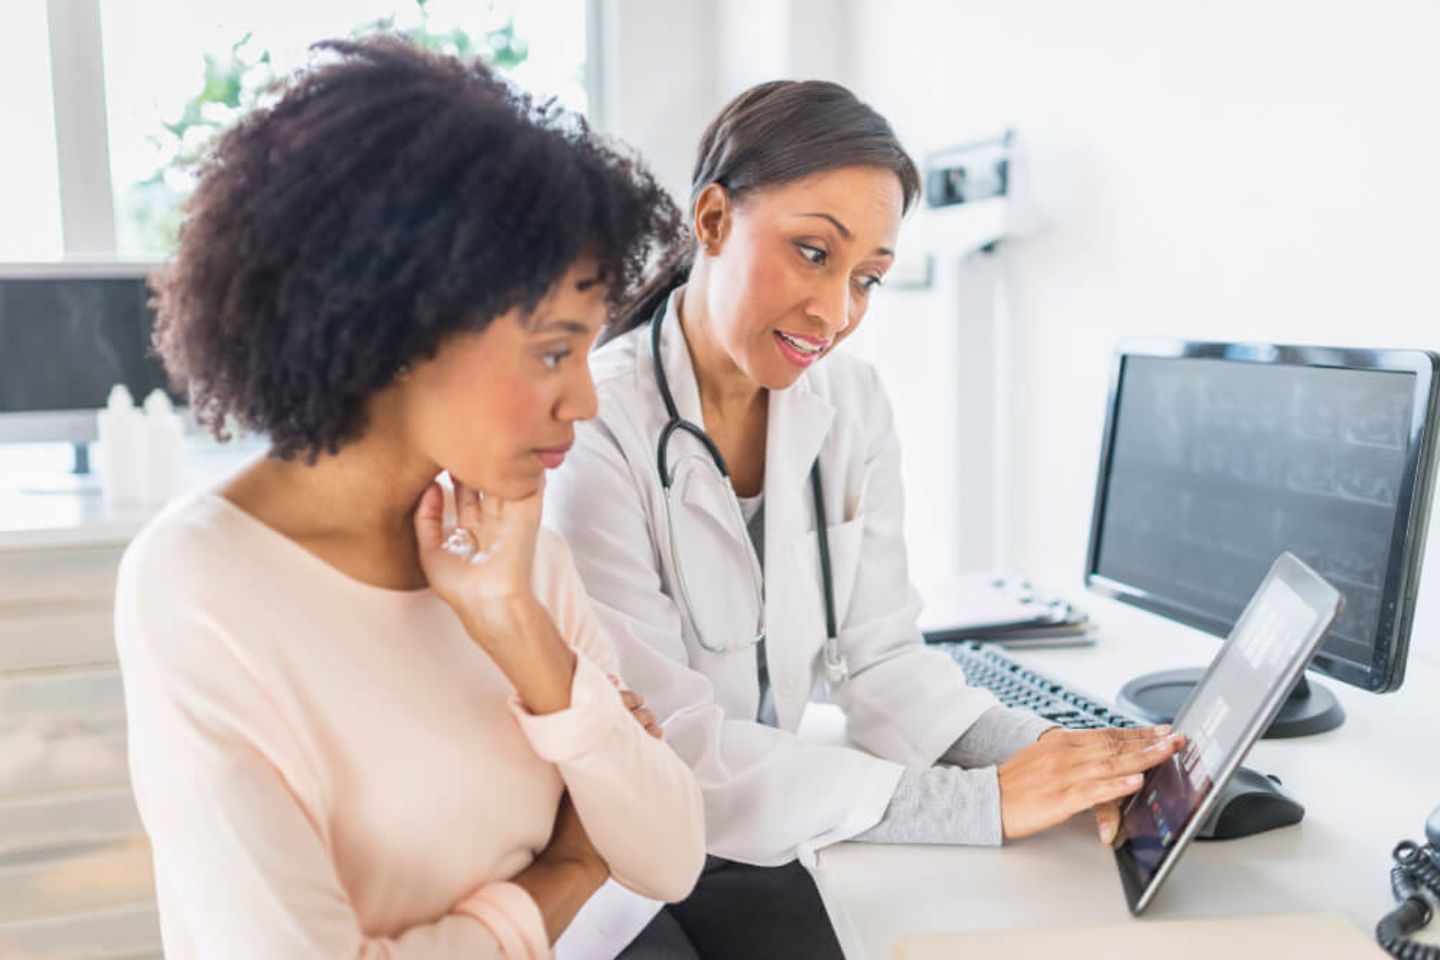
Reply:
x=1217 y=457
x=69 y=332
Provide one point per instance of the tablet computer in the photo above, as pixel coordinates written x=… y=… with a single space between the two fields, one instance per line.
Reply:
x=1242 y=690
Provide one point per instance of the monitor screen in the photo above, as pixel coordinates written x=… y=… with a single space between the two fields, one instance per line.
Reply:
x=65 y=341
x=1214 y=466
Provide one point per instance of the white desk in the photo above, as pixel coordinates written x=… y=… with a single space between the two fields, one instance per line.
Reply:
x=1365 y=786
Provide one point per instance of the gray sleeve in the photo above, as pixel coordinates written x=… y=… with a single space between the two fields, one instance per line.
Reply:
x=941 y=805
x=992 y=739
x=959 y=804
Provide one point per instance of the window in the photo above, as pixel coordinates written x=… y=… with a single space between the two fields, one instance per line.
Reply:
x=29 y=175
x=177 y=71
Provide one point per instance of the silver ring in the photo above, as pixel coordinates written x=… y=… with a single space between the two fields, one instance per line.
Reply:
x=461 y=543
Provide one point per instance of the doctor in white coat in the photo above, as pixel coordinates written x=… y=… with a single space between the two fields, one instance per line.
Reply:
x=732 y=455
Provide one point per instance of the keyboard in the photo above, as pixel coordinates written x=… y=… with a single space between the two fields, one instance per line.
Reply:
x=1016 y=685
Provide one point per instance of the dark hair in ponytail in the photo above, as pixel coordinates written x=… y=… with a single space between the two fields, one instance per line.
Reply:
x=773 y=134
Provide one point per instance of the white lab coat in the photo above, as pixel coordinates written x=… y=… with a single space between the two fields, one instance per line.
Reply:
x=768 y=797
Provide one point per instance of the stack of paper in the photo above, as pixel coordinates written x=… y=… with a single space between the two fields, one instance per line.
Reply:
x=1005 y=610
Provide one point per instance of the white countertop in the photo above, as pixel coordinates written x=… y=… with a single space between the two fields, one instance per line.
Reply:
x=44 y=506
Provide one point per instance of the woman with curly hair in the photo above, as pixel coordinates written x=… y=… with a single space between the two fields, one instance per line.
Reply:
x=359 y=727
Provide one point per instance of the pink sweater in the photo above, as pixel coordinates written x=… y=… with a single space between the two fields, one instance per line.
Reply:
x=331 y=769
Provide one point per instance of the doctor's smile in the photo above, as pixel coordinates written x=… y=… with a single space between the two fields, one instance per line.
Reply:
x=798 y=349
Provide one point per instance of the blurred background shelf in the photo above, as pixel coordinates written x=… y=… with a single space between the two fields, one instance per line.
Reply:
x=76 y=881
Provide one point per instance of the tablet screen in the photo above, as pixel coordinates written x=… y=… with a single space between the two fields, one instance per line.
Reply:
x=1274 y=638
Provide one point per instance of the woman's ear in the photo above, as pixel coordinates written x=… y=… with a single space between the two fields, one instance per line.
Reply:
x=712 y=218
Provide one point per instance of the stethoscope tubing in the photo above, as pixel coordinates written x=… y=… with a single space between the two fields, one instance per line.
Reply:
x=836 y=668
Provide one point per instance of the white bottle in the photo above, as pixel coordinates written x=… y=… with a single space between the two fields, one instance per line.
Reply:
x=121 y=429
x=160 y=463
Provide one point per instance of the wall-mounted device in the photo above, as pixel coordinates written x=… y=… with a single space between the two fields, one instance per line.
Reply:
x=968 y=210
x=970 y=172
x=967 y=196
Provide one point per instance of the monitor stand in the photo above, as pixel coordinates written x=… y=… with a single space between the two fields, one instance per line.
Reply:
x=1157 y=697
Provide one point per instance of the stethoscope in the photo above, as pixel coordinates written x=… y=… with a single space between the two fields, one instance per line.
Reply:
x=837 y=668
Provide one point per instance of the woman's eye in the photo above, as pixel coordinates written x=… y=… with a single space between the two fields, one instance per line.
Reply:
x=815 y=255
x=871 y=282
x=552 y=360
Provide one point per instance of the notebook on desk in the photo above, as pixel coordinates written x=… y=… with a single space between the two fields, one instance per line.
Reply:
x=992 y=608
x=1326 y=935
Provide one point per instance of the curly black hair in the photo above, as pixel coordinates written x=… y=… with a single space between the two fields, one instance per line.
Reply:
x=390 y=197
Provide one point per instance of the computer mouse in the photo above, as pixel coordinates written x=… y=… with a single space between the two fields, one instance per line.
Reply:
x=1251 y=802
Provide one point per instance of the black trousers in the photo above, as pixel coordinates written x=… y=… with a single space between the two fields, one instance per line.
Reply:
x=742 y=912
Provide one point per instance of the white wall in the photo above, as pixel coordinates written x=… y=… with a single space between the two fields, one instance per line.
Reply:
x=666 y=67
x=1261 y=171
x=656 y=79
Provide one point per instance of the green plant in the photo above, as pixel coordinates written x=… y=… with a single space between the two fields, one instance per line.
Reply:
x=239 y=80
x=499 y=46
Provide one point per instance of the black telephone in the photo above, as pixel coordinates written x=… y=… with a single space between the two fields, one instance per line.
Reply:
x=1416 y=873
